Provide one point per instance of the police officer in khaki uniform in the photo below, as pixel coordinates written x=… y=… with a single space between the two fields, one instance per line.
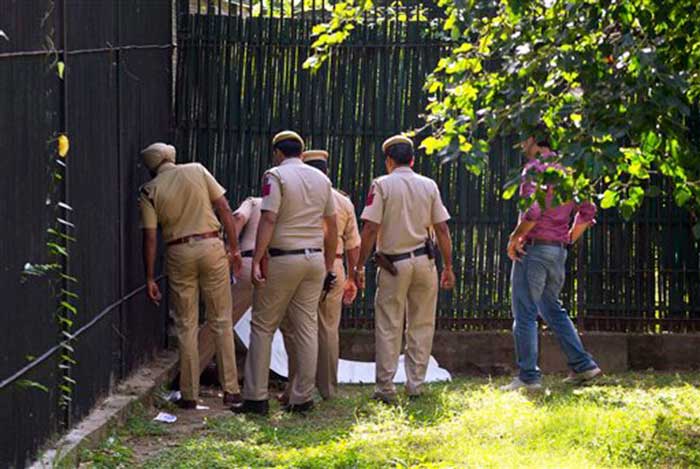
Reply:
x=245 y=219
x=185 y=201
x=345 y=290
x=297 y=205
x=400 y=210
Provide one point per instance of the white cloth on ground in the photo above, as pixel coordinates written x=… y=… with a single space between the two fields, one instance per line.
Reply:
x=349 y=371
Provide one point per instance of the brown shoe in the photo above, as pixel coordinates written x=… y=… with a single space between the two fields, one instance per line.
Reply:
x=186 y=404
x=231 y=398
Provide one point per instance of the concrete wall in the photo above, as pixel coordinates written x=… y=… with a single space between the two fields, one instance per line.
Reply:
x=492 y=353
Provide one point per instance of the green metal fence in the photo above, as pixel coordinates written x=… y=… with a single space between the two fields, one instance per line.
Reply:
x=240 y=80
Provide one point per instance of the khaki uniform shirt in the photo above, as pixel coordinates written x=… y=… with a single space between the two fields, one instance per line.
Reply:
x=348 y=233
x=249 y=211
x=406 y=205
x=180 y=199
x=301 y=196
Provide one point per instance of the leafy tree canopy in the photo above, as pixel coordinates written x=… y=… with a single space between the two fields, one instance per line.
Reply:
x=616 y=83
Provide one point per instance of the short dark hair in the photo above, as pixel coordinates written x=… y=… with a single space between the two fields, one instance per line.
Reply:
x=541 y=134
x=289 y=147
x=321 y=165
x=401 y=153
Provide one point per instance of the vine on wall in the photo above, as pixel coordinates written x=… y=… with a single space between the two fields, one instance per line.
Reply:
x=59 y=238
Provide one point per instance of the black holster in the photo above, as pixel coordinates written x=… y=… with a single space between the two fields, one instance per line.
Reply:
x=385 y=263
x=430 y=248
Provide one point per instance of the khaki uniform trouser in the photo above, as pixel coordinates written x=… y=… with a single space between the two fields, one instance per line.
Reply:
x=242 y=297
x=329 y=313
x=191 y=267
x=292 y=290
x=410 y=295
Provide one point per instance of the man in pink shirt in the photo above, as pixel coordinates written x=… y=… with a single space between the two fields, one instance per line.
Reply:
x=538 y=249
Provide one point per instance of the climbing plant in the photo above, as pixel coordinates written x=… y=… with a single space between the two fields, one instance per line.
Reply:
x=59 y=237
x=616 y=83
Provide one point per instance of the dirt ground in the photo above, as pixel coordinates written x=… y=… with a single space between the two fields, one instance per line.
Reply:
x=189 y=422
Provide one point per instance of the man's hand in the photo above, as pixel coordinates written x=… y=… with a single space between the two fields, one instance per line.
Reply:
x=258 y=275
x=349 y=292
x=235 y=262
x=447 y=279
x=577 y=231
x=153 y=292
x=516 y=249
x=359 y=278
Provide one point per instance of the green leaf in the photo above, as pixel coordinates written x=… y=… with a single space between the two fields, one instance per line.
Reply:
x=636 y=195
x=66 y=305
x=510 y=191
x=68 y=359
x=610 y=199
x=432 y=144
x=682 y=195
x=25 y=383
x=65 y=321
x=435 y=87
x=638 y=171
x=627 y=209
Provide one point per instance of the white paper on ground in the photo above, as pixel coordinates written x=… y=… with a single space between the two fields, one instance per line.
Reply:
x=349 y=371
x=202 y=407
x=165 y=418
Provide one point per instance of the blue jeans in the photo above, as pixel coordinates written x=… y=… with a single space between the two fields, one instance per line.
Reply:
x=536 y=281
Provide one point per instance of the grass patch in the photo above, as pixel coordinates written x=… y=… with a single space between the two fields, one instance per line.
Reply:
x=113 y=453
x=140 y=424
x=634 y=420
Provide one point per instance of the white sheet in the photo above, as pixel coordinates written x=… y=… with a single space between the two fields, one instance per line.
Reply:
x=349 y=371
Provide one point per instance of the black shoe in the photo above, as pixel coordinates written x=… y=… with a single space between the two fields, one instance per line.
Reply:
x=299 y=408
x=232 y=398
x=251 y=407
x=389 y=399
x=186 y=404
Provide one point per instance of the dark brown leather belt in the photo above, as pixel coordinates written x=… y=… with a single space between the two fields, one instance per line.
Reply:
x=406 y=255
x=195 y=237
x=546 y=242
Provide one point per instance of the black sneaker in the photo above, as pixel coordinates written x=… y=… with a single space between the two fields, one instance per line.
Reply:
x=299 y=408
x=251 y=407
x=186 y=404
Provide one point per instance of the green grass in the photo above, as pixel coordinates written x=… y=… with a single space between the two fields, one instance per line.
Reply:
x=111 y=454
x=632 y=420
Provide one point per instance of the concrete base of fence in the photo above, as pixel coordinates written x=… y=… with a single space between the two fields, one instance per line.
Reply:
x=492 y=353
x=114 y=410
